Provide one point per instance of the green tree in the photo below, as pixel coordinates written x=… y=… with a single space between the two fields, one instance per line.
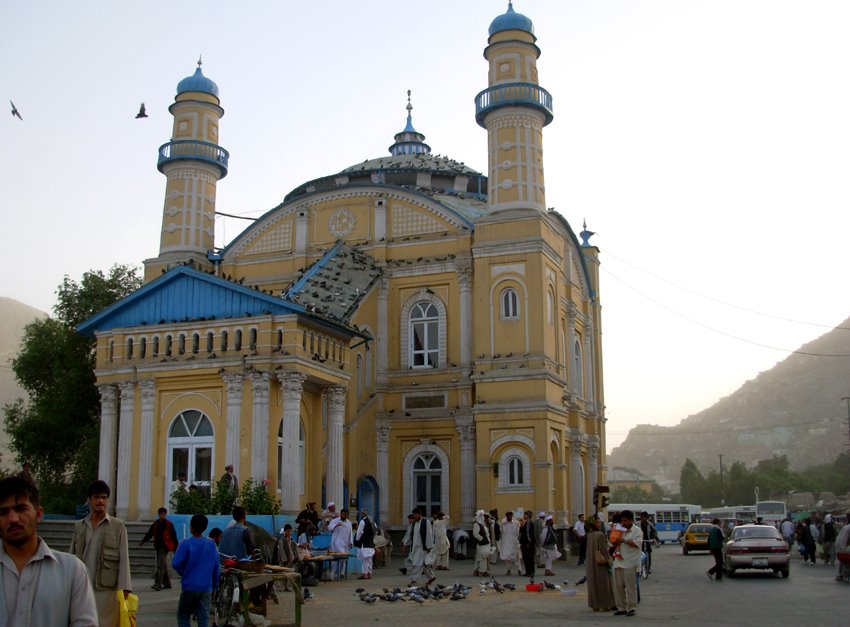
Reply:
x=634 y=494
x=691 y=483
x=57 y=430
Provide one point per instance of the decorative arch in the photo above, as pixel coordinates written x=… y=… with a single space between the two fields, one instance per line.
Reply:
x=515 y=470
x=190 y=448
x=517 y=438
x=369 y=497
x=496 y=290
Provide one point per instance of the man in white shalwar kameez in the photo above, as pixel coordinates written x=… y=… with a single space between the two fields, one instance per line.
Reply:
x=421 y=544
x=509 y=544
x=340 y=528
x=481 y=538
x=441 y=541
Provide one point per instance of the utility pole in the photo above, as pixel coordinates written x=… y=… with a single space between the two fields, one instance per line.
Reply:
x=847 y=399
x=722 y=500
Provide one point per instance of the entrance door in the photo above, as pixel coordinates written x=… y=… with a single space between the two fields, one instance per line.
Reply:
x=190 y=450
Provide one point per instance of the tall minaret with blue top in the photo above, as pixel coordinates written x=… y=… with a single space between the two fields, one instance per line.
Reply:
x=193 y=162
x=514 y=109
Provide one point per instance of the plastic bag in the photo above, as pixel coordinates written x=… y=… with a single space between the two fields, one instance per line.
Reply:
x=127 y=609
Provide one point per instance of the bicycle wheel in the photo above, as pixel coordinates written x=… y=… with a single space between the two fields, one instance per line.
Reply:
x=227 y=604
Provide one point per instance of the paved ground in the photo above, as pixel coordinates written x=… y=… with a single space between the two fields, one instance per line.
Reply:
x=677 y=592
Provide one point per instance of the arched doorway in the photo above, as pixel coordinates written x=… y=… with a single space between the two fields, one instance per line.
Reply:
x=368 y=497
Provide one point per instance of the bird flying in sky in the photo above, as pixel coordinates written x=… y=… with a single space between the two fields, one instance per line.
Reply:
x=141 y=113
x=15 y=111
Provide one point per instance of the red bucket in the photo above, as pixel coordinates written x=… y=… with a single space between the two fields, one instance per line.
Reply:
x=534 y=587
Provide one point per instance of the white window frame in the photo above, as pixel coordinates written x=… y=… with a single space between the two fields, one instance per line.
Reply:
x=509 y=304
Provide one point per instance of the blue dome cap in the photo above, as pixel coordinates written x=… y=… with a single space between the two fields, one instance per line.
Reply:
x=197 y=82
x=511 y=20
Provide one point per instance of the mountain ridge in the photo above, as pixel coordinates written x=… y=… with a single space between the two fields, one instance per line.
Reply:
x=792 y=409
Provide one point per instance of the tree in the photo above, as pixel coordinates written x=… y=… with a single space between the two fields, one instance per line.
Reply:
x=691 y=483
x=634 y=494
x=57 y=430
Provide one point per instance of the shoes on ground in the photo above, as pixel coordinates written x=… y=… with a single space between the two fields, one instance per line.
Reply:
x=156 y=587
x=403 y=571
x=620 y=613
x=631 y=613
x=549 y=573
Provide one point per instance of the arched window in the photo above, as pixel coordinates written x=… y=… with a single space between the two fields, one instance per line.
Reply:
x=156 y=346
x=252 y=339
x=237 y=344
x=129 y=348
x=302 y=460
x=196 y=343
x=516 y=476
x=427 y=483
x=143 y=348
x=168 y=343
x=424 y=335
x=514 y=470
x=509 y=304
x=111 y=350
x=367 y=366
x=181 y=344
x=279 y=344
x=224 y=340
x=550 y=307
x=190 y=450
x=210 y=341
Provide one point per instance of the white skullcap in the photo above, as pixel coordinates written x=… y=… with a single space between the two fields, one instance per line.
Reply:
x=331 y=503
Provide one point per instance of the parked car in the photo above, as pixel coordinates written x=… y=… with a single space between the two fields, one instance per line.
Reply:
x=695 y=538
x=756 y=546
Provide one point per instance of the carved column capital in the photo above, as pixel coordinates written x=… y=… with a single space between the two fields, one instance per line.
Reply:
x=108 y=392
x=147 y=388
x=292 y=384
x=128 y=390
x=233 y=382
x=336 y=398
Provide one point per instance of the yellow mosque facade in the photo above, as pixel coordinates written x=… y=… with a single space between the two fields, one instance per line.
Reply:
x=406 y=332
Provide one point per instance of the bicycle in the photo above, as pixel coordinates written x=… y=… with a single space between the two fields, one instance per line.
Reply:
x=227 y=599
x=646 y=559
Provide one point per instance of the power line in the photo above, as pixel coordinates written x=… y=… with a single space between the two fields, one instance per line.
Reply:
x=738 y=431
x=718 y=331
x=608 y=253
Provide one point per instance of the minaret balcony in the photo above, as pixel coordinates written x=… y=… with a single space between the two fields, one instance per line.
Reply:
x=513 y=95
x=192 y=150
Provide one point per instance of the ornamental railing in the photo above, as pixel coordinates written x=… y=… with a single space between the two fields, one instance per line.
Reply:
x=190 y=149
x=513 y=94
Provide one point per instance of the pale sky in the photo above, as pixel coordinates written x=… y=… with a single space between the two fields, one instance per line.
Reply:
x=705 y=142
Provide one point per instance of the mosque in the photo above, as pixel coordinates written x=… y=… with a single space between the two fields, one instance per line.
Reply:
x=406 y=332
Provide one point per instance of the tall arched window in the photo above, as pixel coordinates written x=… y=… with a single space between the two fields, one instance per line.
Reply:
x=424 y=335
x=237 y=343
x=224 y=340
x=359 y=369
x=367 y=367
x=252 y=339
x=516 y=474
x=129 y=348
x=550 y=307
x=196 y=343
x=427 y=483
x=143 y=348
x=514 y=470
x=509 y=304
x=168 y=345
x=302 y=460
x=190 y=449
x=156 y=346
x=210 y=341
x=181 y=344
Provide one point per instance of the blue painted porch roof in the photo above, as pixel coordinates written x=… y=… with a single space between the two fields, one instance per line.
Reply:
x=183 y=294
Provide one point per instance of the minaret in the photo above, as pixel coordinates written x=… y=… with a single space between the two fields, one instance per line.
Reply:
x=193 y=162
x=514 y=109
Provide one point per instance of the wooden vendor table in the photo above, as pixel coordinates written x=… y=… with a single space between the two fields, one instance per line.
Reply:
x=323 y=562
x=272 y=582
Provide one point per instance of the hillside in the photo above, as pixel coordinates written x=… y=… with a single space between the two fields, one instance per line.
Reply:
x=15 y=316
x=793 y=409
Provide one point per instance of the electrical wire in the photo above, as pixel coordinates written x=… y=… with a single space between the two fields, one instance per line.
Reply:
x=718 y=331
x=608 y=253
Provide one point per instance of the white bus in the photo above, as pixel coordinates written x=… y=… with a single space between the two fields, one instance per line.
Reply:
x=670 y=519
x=771 y=512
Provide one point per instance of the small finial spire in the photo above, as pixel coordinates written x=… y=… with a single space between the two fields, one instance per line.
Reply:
x=585 y=235
x=409 y=106
x=200 y=59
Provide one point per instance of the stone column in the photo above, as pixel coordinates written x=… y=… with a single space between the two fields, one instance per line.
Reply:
x=576 y=487
x=336 y=419
x=380 y=339
x=572 y=376
x=292 y=385
x=592 y=464
x=233 y=383
x=382 y=462
x=465 y=425
x=121 y=489
x=108 y=432
x=147 y=389
x=590 y=394
x=260 y=427
x=464 y=277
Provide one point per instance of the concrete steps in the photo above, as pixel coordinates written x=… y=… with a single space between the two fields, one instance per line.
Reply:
x=58 y=534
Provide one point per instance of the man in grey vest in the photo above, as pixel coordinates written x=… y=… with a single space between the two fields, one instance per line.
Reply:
x=100 y=541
